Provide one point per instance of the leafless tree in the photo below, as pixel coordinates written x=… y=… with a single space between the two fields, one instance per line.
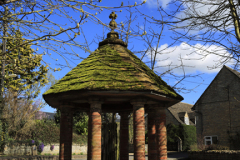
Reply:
x=210 y=23
x=152 y=39
x=41 y=22
x=19 y=115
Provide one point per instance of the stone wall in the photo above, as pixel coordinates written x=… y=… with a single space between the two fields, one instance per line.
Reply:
x=30 y=158
x=219 y=108
x=28 y=150
x=216 y=155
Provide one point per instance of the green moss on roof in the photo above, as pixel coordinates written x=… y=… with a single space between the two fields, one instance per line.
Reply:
x=112 y=67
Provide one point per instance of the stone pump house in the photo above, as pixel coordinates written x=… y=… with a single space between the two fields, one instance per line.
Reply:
x=113 y=79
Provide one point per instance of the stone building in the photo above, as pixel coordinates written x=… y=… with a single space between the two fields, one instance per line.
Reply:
x=218 y=109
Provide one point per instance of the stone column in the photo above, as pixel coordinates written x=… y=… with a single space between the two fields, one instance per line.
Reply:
x=152 y=145
x=161 y=133
x=66 y=124
x=94 y=142
x=124 y=135
x=139 y=130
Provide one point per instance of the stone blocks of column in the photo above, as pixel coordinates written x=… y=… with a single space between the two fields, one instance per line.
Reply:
x=66 y=124
x=94 y=141
x=152 y=144
x=124 y=136
x=161 y=134
x=139 y=130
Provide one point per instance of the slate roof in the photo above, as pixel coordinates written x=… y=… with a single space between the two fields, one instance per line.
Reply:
x=112 y=67
x=178 y=111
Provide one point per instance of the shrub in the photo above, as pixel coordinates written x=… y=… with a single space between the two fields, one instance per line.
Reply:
x=31 y=142
x=188 y=136
x=194 y=147
x=216 y=147
x=79 y=139
x=80 y=121
x=40 y=147
x=200 y=142
x=46 y=131
x=52 y=147
x=172 y=132
x=38 y=142
x=186 y=132
x=81 y=125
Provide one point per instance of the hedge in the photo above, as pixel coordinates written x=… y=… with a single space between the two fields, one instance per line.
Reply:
x=186 y=132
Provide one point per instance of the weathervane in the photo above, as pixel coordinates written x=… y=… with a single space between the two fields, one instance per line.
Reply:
x=113 y=23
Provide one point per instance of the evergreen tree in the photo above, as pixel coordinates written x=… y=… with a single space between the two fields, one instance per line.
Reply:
x=27 y=66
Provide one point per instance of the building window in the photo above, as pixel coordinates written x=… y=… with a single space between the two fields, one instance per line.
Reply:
x=209 y=140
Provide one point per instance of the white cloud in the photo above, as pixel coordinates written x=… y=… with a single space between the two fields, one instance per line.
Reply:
x=154 y=3
x=199 y=57
x=164 y=3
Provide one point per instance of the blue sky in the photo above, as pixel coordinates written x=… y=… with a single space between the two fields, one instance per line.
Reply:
x=169 y=55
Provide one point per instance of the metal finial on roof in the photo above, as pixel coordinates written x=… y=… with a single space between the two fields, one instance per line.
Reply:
x=113 y=37
x=113 y=23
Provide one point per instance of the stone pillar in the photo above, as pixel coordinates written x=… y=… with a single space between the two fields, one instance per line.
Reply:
x=94 y=142
x=124 y=135
x=161 y=134
x=138 y=130
x=66 y=124
x=152 y=145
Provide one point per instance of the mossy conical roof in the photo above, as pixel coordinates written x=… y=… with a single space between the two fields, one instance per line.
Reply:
x=112 y=67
